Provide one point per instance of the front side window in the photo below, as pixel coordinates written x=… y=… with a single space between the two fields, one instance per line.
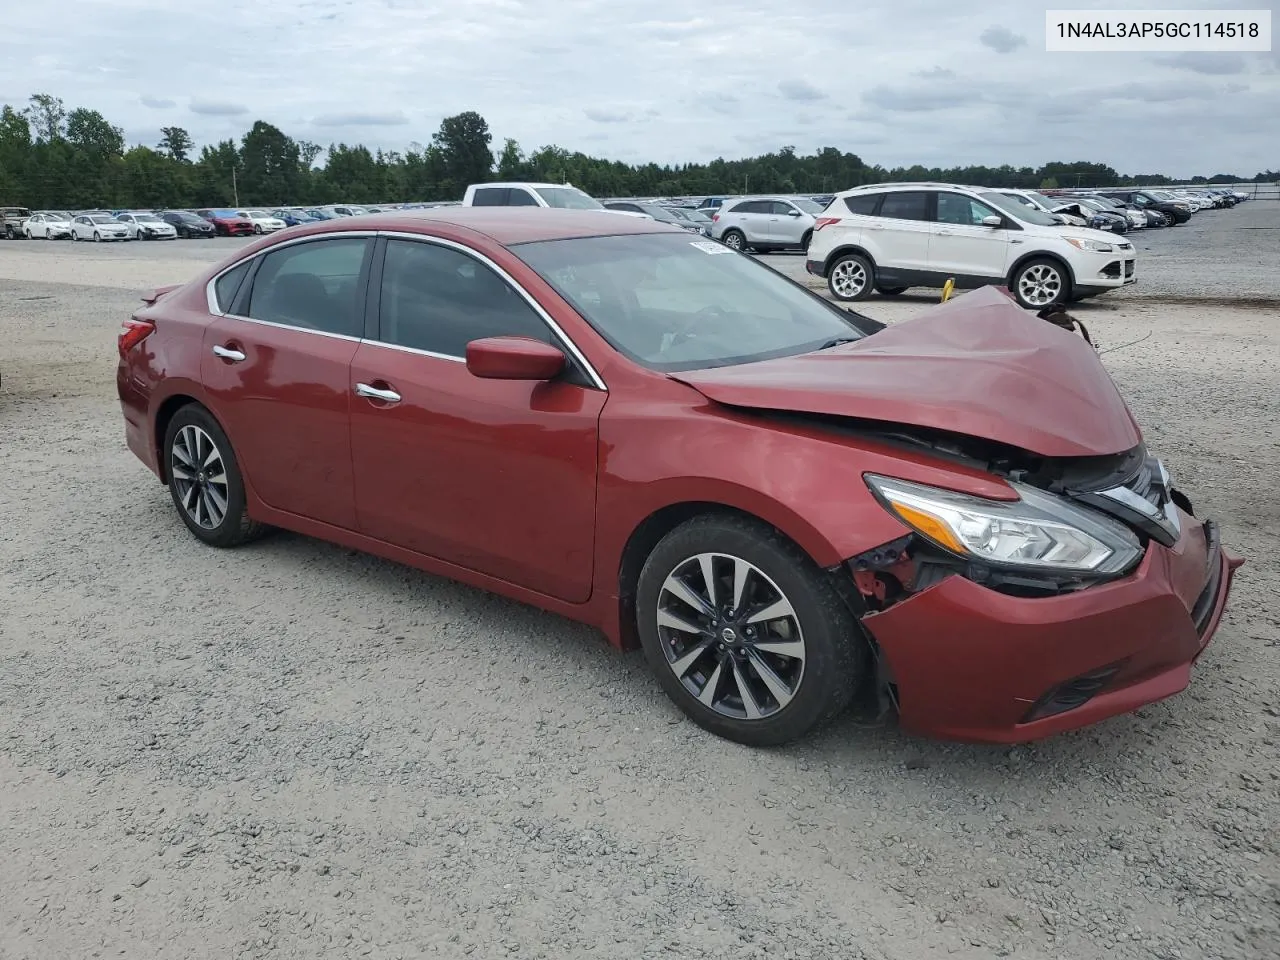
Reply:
x=312 y=285
x=671 y=303
x=567 y=198
x=438 y=299
x=908 y=205
x=963 y=211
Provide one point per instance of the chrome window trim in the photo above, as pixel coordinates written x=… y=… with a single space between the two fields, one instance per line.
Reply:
x=555 y=328
x=212 y=301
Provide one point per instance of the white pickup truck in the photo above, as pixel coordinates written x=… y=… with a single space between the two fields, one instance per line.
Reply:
x=562 y=196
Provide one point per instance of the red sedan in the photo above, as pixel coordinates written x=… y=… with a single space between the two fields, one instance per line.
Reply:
x=785 y=503
x=228 y=223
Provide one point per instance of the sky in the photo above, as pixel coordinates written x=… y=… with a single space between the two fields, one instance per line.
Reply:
x=934 y=82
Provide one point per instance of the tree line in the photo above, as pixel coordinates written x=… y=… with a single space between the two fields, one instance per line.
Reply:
x=55 y=158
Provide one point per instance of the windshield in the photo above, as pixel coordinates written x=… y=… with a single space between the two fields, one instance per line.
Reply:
x=670 y=303
x=1045 y=203
x=147 y=218
x=225 y=214
x=568 y=198
x=99 y=219
x=697 y=216
x=659 y=213
x=1018 y=210
x=57 y=215
x=808 y=206
x=258 y=214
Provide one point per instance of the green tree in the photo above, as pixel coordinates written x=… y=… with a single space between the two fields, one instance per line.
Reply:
x=176 y=143
x=464 y=144
x=1049 y=183
x=511 y=162
x=269 y=166
x=48 y=117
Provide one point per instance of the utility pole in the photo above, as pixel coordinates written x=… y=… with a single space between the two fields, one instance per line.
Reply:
x=235 y=189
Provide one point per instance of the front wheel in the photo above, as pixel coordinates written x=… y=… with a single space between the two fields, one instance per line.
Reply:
x=205 y=480
x=97 y=237
x=8 y=232
x=804 y=241
x=257 y=228
x=734 y=240
x=890 y=291
x=850 y=277
x=745 y=633
x=1041 y=283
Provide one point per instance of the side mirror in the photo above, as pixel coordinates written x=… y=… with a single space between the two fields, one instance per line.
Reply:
x=993 y=221
x=793 y=212
x=513 y=358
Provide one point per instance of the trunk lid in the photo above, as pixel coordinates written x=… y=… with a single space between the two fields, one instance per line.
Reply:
x=977 y=365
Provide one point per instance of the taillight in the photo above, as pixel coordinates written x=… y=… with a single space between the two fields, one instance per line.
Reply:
x=132 y=333
x=715 y=217
x=824 y=222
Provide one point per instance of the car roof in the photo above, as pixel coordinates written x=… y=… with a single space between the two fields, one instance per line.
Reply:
x=505 y=225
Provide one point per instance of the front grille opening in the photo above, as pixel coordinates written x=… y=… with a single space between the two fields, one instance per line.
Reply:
x=1112 y=270
x=1072 y=694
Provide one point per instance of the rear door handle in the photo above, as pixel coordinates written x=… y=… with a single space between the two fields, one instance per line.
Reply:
x=373 y=393
x=228 y=353
x=945 y=233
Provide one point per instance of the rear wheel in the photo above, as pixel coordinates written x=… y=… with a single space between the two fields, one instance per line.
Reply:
x=1041 y=283
x=850 y=277
x=205 y=480
x=746 y=634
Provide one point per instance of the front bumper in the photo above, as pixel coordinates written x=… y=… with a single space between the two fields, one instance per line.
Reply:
x=973 y=664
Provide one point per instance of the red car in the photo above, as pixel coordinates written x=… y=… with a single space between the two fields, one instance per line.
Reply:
x=228 y=223
x=783 y=502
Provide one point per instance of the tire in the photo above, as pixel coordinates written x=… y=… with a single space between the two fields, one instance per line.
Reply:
x=804 y=241
x=188 y=438
x=26 y=234
x=1041 y=283
x=8 y=231
x=890 y=291
x=735 y=240
x=257 y=229
x=815 y=683
x=851 y=277
x=97 y=238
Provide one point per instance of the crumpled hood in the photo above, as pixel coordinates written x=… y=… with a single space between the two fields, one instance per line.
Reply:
x=978 y=365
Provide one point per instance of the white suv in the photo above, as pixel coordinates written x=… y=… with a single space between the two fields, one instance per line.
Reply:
x=765 y=223
x=888 y=237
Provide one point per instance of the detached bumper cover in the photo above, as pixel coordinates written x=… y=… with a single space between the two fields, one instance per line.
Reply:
x=973 y=664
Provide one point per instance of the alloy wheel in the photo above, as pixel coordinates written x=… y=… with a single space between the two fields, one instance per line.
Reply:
x=1040 y=285
x=200 y=477
x=733 y=240
x=849 y=278
x=731 y=636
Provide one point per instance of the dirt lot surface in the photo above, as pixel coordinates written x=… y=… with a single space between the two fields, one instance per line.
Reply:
x=294 y=750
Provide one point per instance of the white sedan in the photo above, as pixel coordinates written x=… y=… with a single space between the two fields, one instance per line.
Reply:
x=98 y=226
x=147 y=226
x=47 y=226
x=263 y=222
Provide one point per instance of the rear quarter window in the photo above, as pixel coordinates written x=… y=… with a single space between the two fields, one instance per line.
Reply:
x=863 y=204
x=227 y=285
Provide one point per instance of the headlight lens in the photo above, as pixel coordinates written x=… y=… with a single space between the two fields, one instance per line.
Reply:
x=1097 y=246
x=1038 y=531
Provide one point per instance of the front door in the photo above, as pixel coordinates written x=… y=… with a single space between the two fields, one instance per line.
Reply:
x=494 y=476
x=961 y=245
x=277 y=375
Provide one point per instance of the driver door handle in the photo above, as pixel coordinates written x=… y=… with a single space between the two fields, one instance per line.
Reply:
x=373 y=393
x=228 y=353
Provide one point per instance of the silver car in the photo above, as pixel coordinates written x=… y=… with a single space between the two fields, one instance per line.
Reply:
x=765 y=223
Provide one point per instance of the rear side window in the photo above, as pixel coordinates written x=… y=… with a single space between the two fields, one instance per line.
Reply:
x=490 y=197
x=864 y=204
x=521 y=198
x=909 y=205
x=437 y=299
x=314 y=285
x=227 y=285
x=751 y=206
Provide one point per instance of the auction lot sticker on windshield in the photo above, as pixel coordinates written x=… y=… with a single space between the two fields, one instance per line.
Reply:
x=1157 y=31
x=710 y=246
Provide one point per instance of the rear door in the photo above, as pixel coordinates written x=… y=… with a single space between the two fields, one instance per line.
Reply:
x=275 y=366
x=902 y=230
x=961 y=245
x=495 y=476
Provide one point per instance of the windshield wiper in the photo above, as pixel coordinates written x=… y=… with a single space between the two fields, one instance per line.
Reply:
x=838 y=341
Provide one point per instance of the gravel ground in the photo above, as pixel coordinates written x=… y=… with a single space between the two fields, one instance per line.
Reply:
x=294 y=750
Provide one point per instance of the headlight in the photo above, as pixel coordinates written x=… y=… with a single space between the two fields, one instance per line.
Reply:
x=1097 y=246
x=1039 y=531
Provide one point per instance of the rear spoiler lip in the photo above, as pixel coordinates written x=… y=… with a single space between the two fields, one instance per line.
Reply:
x=152 y=296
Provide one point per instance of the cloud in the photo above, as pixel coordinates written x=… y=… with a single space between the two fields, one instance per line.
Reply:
x=606 y=116
x=800 y=90
x=935 y=73
x=217 y=108
x=917 y=100
x=1002 y=39
x=1219 y=64
x=156 y=103
x=357 y=119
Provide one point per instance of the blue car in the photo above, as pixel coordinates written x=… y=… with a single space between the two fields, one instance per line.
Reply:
x=293 y=218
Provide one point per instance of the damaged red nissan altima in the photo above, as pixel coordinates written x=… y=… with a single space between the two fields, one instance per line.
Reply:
x=783 y=502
